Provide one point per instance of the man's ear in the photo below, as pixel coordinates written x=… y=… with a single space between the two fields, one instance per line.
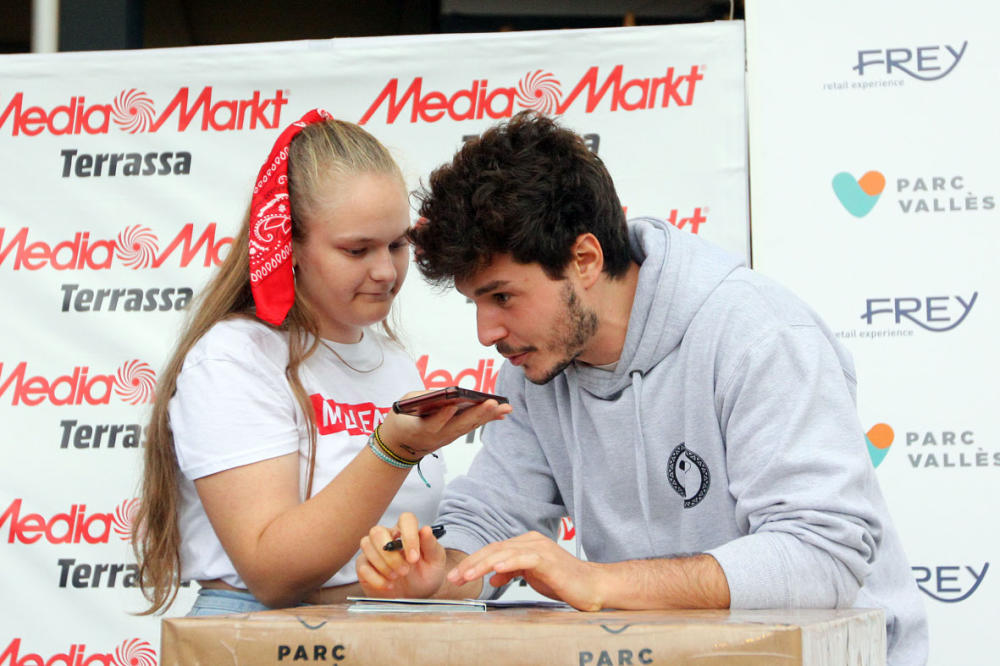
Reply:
x=587 y=261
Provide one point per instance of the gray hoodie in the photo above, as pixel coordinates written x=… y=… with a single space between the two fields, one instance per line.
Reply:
x=728 y=426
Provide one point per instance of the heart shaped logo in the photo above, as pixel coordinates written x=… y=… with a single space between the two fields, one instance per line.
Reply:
x=858 y=196
x=879 y=439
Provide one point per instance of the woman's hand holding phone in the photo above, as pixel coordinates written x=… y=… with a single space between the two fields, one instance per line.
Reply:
x=413 y=437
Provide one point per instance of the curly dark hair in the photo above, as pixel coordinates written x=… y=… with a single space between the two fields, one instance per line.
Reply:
x=527 y=188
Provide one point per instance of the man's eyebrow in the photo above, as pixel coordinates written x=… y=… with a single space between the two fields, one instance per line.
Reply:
x=489 y=286
x=355 y=239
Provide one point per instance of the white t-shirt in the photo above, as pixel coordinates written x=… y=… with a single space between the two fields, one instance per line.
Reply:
x=233 y=406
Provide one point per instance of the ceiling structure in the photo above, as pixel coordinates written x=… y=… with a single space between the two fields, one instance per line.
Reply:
x=115 y=24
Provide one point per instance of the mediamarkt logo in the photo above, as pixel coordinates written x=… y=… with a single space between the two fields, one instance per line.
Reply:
x=133 y=383
x=134 y=111
x=135 y=652
x=538 y=90
x=73 y=526
x=135 y=247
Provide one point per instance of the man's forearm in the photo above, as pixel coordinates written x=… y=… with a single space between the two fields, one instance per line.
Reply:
x=683 y=582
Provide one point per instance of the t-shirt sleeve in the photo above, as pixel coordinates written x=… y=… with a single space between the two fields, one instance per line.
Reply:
x=231 y=409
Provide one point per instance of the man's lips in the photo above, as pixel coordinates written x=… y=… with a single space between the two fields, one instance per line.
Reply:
x=516 y=359
x=515 y=356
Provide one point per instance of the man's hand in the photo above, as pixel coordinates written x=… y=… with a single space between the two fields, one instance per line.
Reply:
x=695 y=581
x=544 y=564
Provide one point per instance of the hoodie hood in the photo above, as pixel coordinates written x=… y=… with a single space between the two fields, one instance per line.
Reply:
x=677 y=273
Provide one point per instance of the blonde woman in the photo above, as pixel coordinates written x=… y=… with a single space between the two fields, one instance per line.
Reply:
x=272 y=448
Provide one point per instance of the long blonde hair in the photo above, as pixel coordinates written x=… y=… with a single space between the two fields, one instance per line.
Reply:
x=322 y=150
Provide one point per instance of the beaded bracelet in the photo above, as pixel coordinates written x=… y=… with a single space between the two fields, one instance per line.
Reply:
x=388 y=456
x=383 y=457
x=387 y=451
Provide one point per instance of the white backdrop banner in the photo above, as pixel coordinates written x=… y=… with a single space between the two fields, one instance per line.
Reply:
x=124 y=177
x=874 y=194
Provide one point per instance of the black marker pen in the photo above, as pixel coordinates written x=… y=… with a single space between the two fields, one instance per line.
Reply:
x=397 y=544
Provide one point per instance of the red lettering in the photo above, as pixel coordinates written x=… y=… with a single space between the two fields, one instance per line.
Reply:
x=32 y=121
x=75 y=117
x=88 y=254
x=589 y=82
x=230 y=123
x=213 y=249
x=13 y=107
x=65 y=255
x=57 y=521
x=504 y=112
x=432 y=107
x=70 y=382
x=332 y=416
x=62 y=528
x=73 y=247
x=12 y=512
x=19 y=240
x=72 y=389
x=76 y=656
x=395 y=108
x=101 y=520
x=202 y=103
x=695 y=221
x=86 y=389
x=18 y=375
x=104 y=112
x=483 y=376
x=642 y=85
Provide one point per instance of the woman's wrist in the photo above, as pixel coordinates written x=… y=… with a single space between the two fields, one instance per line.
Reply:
x=393 y=448
x=390 y=457
x=397 y=443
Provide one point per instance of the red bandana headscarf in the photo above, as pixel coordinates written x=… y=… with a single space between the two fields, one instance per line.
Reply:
x=271 y=279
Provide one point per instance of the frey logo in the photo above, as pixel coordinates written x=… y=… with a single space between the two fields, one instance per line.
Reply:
x=133 y=383
x=952 y=583
x=937 y=314
x=133 y=111
x=135 y=247
x=924 y=63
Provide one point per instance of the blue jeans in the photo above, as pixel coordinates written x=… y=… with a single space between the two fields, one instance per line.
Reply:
x=222 y=602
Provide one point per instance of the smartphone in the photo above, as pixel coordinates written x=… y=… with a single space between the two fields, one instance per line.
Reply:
x=428 y=403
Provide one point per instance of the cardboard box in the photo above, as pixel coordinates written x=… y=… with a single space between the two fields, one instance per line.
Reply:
x=333 y=635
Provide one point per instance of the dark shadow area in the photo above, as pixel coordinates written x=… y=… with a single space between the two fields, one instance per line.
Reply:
x=127 y=24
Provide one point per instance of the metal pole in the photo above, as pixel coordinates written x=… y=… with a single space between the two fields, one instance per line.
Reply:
x=44 y=26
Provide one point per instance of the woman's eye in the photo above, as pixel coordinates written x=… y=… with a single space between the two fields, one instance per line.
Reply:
x=355 y=252
x=501 y=298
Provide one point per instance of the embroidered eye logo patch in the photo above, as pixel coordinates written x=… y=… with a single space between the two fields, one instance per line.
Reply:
x=688 y=475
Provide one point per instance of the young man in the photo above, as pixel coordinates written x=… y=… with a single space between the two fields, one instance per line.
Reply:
x=695 y=419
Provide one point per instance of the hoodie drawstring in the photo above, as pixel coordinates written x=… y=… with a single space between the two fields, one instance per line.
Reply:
x=640 y=461
x=577 y=464
x=642 y=477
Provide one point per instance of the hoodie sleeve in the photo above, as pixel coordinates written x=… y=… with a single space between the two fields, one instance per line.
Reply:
x=508 y=490
x=804 y=487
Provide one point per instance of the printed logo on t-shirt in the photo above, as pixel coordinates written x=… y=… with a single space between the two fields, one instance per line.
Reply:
x=359 y=419
x=688 y=475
